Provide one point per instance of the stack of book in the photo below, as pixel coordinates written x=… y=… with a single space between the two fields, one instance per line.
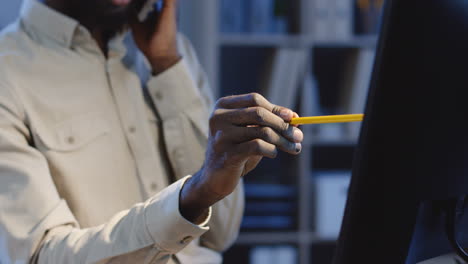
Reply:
x=332 y=20
x=269 y=207
x=332 y=192
x=342 y=19
x=254 y=16
x=281 y=254
x=285 y=74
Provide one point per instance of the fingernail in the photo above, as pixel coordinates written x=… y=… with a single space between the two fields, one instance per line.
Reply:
x=298 y=147
x=285 y=114
x=298 y=136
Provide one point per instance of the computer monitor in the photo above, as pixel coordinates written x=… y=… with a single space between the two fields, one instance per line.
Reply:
x=413 y=147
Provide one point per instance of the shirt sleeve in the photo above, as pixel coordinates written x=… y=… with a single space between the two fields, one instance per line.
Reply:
x=182 y=90
x=150 y=231
x=36 y=223
x=181 y=85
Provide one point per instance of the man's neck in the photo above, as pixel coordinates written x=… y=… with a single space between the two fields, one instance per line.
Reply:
x=98 y=35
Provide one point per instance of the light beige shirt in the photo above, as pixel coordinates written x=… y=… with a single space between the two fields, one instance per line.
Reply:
x=85 y=160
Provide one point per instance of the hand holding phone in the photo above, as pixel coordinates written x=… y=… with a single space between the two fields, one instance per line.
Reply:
x=156 y=35
x=148 y=8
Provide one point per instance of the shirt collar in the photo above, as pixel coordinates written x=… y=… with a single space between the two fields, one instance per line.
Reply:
x=49 y=23
x=45 y=24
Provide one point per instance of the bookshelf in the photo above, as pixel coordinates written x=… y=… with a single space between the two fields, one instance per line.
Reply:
x=236 y=63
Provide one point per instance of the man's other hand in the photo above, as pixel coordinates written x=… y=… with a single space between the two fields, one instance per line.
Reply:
x=156 y=37
x=243 y=130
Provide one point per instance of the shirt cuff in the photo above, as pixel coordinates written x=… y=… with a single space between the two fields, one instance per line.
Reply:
x=173 y=90
x=170 y=231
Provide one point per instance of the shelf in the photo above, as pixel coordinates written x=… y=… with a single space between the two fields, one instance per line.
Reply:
x=256 y=40
x=355 y=42
x=294 y=41
x=280 y=237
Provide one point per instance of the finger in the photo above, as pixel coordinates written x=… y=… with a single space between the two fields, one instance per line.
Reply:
x=257 y=147
x=243 y=101
x=239 y=135
x=253 y=100
x=257 y=116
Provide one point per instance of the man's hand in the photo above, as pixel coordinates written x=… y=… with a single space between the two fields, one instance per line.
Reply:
x=243 y=130
x=156 y=37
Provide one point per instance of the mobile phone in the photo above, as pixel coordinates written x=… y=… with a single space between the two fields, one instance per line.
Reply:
x=148 y=8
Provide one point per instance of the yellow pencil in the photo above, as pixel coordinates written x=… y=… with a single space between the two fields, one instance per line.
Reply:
x=327 y=119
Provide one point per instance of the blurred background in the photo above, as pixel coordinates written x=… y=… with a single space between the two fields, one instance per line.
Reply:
x=314 y=56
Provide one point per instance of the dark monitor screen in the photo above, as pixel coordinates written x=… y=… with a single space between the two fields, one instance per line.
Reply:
x=414 y=142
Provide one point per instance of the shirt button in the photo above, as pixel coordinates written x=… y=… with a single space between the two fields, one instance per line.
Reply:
x=153 y=186
x=132 y=129
x=158 y=95
x=71 y=140
x=178 y=154
x=186 y=240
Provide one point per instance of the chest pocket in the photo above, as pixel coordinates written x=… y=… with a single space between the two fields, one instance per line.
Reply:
x=72 y=134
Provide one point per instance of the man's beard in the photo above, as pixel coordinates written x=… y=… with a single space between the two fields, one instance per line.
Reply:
x=103 y=15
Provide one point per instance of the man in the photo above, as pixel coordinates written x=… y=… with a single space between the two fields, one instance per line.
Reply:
x=87 y=155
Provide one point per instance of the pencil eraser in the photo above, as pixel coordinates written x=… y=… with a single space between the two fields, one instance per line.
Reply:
x=146 y=10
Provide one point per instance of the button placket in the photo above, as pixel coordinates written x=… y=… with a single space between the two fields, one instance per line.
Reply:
x=128 y=116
